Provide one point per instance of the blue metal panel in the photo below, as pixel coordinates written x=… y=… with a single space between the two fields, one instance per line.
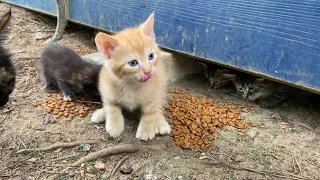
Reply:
x=278 y=39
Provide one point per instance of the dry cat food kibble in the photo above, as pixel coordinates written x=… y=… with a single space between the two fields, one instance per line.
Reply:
x=55 y=105
x=196 y=119
x=83 y=51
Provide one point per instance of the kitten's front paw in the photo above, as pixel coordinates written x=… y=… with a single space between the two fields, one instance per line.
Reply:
x=145 y=132
x=161 y=126
x=115 y=126
x=69 y=97
x=98 y=116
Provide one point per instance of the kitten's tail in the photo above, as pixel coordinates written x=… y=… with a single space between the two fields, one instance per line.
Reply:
x=5 y=18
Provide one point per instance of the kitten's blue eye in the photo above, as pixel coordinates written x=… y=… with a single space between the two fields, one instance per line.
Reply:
x=240 y=89
x=133 y=63
x=151 y=56
x=251 y=88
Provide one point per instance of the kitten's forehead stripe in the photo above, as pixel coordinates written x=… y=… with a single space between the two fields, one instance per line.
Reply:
x=135 y=41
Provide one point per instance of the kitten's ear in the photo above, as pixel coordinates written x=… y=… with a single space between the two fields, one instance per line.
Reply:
x=148 y=26
x=106 y=44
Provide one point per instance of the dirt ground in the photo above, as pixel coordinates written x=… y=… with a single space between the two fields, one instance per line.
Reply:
x=272 y=150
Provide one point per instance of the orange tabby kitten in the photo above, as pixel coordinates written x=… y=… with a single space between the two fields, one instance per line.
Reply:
x=132 y=77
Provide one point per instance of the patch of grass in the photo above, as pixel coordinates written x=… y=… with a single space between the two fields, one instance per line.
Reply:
x=257 y=156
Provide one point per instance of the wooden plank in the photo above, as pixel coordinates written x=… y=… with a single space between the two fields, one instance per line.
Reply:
x=277 y=39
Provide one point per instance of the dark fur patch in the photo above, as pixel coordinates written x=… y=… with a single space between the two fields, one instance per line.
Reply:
x=7 y=70
x=63 y=69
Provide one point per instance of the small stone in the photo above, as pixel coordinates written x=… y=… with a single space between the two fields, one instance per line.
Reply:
x=252 y=133
x=82 y=173
x=82 y=165
x=126 y=169
x=90 y=175
x=99 y=166
x=177 y=157
x=240 y=158
x=32 y=160
x=91 y=169
x=64 y=162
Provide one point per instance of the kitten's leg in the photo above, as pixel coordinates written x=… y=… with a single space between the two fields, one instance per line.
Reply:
x=67 y=91
x=114 y=120
x=161 y=125
x=151 y=123
x=99 y=116
x=50 y=85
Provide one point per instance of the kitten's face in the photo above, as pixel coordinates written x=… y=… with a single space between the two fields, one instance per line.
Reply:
x=251 y=89
x=135 y=58
x=132 y=54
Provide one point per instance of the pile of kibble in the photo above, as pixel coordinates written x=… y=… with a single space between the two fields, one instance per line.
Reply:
x=55 y=105
x=196 y=119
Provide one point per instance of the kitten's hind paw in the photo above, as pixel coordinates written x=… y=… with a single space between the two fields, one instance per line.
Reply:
x=98 y=116
x=145 y=132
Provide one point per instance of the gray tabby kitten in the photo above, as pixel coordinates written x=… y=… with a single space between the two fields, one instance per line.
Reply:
x=268 y=94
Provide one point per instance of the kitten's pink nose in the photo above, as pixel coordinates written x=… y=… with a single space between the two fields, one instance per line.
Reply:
x=145 y=76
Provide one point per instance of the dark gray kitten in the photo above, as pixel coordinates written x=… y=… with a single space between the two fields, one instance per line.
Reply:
x=268 y=94
x=7 y=70
x=63 y=69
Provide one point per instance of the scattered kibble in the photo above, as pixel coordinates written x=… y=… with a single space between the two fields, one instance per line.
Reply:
x=54 y=104
x=196 y=119
x=84 y=51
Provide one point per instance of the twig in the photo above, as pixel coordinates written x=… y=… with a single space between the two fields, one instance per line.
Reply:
x=65 y=157
x=295 y=159
x=124 y=148
x=22 y=143
x=270 y=173
x=118 y=165
x=310 y=162
x=56 y=146
x=93 y=102
x=301 y=124
x=138 y=168
x=5 y=117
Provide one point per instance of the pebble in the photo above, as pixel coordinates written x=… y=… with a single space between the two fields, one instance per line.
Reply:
x=177 y=157
x=126 y=169
x=82 y=173
x=99 y=166
x=240 y=158
x=82 y=165
x=90 y=175
x=252 y=133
